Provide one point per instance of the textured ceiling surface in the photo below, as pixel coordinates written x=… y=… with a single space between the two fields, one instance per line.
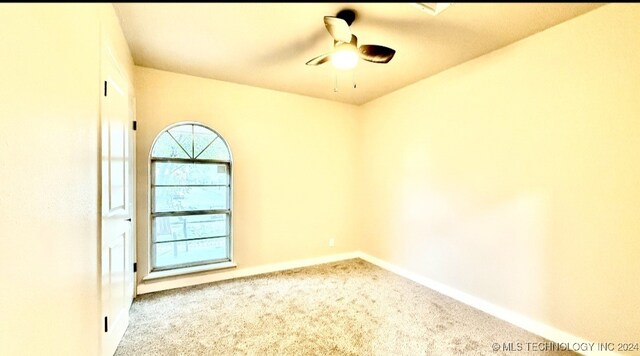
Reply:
x=267 y=44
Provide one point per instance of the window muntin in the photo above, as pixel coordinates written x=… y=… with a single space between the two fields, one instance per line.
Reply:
x=190 y=198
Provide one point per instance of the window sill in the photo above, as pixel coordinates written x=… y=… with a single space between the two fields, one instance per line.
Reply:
x=188 y=270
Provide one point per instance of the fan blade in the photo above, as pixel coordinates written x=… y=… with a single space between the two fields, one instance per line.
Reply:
x=376 y=54
x=338 y=28
x=319 y=59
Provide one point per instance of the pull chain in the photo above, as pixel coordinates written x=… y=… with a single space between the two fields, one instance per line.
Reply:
x=335 y=80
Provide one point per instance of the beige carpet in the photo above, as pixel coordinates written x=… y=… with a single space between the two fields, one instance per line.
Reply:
x=343 y=308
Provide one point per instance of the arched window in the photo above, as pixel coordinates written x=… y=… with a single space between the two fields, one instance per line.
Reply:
x=190 y=198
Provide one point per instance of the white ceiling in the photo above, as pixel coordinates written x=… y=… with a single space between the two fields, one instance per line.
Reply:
x=267 y=44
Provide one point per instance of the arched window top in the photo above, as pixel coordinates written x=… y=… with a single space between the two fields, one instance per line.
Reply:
x=191 y=141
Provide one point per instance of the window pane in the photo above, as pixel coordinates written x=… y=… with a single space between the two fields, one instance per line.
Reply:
x=202 y=137
x=167 y=147
x=184 y=135
x=169 y=228
x=217 y=150
x=190 y=198
x=171 y=173
x=186 y=252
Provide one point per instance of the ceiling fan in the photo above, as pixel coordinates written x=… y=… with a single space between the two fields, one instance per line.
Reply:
x=346 y=52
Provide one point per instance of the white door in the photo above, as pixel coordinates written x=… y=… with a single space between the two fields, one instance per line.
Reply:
x=117 y=247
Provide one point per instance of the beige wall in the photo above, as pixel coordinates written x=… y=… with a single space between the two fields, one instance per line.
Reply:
x=113 y=38
x=293 y=163
x=515 y=177
x=49 y=129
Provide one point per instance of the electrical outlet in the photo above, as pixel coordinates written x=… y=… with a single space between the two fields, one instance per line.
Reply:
x=332 y=242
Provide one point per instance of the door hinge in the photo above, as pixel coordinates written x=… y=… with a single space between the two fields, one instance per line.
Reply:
x=135 y=267
x=135 y=125
x=105 y=88
x=106 y=324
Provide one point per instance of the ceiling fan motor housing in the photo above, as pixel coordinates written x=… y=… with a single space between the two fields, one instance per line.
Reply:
x=347 y=15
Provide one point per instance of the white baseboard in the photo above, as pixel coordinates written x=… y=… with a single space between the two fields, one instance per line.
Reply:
x=521 y=321
x=156 y=285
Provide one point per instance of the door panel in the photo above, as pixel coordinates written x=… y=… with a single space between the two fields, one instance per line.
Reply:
x=117 y=244
x=117 y=165
x=117 y=271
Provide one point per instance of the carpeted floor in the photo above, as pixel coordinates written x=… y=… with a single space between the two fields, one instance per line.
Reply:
x=343 y=308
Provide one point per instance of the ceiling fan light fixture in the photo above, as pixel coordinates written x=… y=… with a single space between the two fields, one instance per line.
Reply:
x=345 y=58
x=346 y=53
x=432 y=8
